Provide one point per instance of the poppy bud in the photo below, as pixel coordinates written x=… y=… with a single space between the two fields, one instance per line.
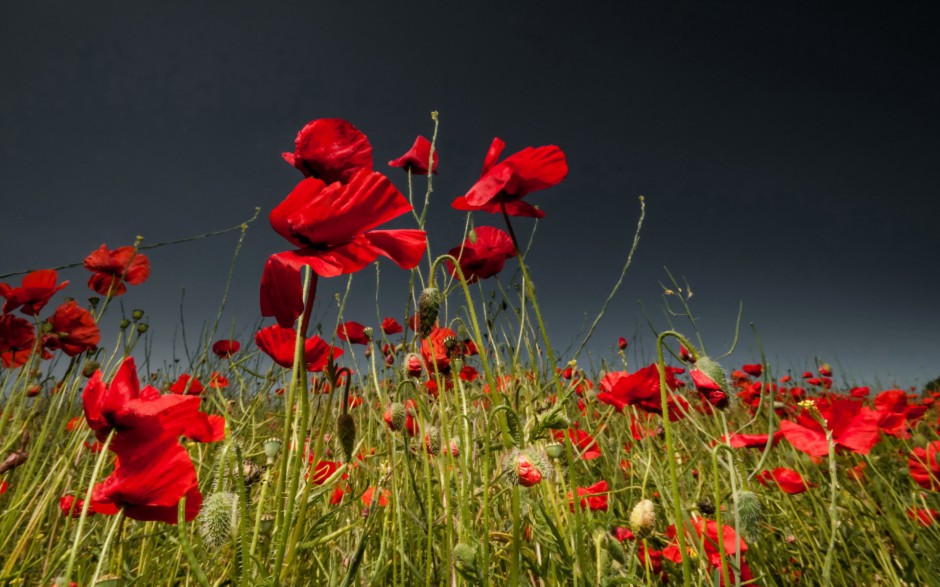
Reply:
x=455 y=446
x=556 y=419
x=643 y=519
x=528 y=468
x=271 y=447
x=432 y=440
x=137 y=314
x=825 y=370
x=412 y=365
x=142 y=328
x=124 y=323
x=395 y=416
x=429 y=304
x=748 y=507
x=346 y=430
x=622 y=343
x=90 y=367
x=218 y=518
x=711 y=381
x=465 y=560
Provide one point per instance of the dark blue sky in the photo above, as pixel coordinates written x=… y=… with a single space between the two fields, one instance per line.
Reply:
x=789 y=155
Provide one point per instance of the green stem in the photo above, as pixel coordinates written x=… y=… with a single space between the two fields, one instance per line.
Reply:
x=85 y=506
x=670 y=454
x=187 y=547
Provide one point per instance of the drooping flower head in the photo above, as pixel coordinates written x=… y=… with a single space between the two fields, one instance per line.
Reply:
x=505 y=183
x=226 y=348
x=112 y=269
x=17 y=339
x=72 y=329
x=330 y=149
x=482 y=254
x=417 y=158
x=37 y=289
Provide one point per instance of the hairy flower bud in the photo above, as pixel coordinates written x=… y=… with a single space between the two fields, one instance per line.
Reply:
x=748 y=509
x=429 y=304
x=412 y=365
x=346 y=431
x=395 y=416
x=432 y=440
x=710 y=380
x=218 y=519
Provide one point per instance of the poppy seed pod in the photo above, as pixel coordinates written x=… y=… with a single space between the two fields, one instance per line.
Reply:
x=643 y=519
x=429 y=304
x=271 y=447
x=346 y=430
x=137 y=314
x=250 y=471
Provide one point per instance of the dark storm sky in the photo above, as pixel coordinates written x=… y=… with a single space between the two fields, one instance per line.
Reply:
x=789 y=156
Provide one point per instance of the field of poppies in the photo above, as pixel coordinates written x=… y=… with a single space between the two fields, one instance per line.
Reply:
x=450 y=444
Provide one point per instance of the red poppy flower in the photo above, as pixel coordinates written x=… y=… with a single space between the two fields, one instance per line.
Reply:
x=526 y=472
x=352 y=332
x=435 y=350
x=641 y=389
x=323 y=471
x=187 y=385
x=788 y=480
x=754 y=370
x=143 y=415
x=507 y=182
x=332 y=226
x=708 y=538
x=417 y=158
x=72 y=329
x=483 y=254
x=330 y=149
x=17 y=339
x=226 y=348
x=853 y=427
x=583 y=442
x=278 y=343
x=370 y=497
x=149 y=484
x=112 y=269
x=391 y=326
x=70 y=506
x=593 y=497
x=895 y=413
x=924 y=465
x=751 y=440
x=859 y=391
x=468 y=373
x=924 y=517
x=218 y=381
x=37 y=289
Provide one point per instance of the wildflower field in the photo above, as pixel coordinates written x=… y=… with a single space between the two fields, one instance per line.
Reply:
x=448 y=444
